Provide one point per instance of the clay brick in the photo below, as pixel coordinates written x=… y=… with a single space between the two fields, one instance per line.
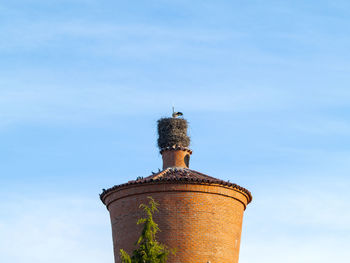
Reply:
x=202 y=221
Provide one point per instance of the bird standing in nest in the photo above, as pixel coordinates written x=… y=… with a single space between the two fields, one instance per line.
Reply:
x=176 y=114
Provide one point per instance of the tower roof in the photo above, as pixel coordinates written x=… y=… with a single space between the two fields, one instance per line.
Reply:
x=178 y=175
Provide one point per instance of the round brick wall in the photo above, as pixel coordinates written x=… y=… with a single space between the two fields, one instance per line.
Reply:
x=202 y=222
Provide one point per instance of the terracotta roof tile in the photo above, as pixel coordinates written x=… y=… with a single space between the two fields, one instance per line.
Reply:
x=178 y=174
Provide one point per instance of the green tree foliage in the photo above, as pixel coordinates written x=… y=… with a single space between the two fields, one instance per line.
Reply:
x=149 y=249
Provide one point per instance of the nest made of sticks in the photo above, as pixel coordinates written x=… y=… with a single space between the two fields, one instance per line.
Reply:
x=172 y=131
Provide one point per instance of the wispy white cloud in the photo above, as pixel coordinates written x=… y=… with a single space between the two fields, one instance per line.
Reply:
x=304 y=222
x=323 y=126
x=134 y=37
x=289 y=250
x=46 y=101
x=54 y=103
x=66 y=229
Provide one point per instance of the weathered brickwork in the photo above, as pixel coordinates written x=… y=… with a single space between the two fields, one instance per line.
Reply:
x=177 y=158
x=202 y=221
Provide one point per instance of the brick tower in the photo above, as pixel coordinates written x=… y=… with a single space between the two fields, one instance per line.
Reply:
x=200 y=216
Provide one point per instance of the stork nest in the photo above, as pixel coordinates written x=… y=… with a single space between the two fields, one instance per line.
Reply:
x=172 y=131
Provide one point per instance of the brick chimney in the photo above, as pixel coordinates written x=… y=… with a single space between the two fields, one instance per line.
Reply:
x=176 y=157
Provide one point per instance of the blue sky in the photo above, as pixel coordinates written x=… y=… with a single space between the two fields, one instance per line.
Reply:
x=264 y=85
